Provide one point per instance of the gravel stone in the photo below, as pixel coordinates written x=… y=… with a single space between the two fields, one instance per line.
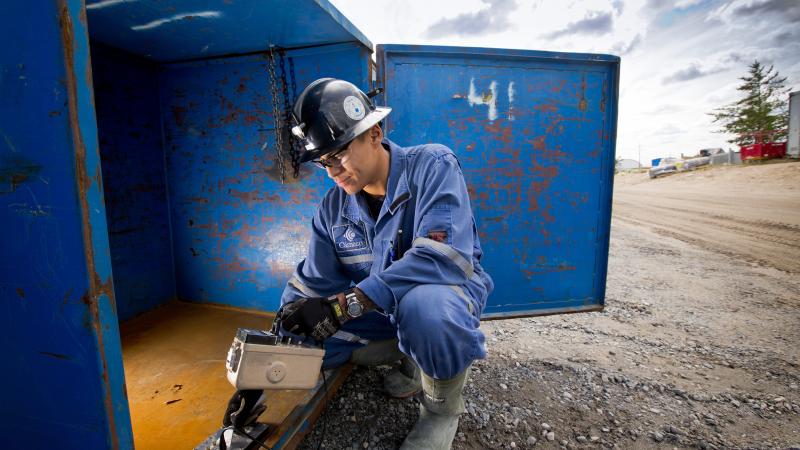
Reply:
x=658 y=437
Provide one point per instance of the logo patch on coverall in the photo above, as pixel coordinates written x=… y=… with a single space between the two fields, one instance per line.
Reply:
x=348 y=238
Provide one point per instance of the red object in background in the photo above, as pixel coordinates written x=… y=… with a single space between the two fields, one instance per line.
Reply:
x=766 y=150
x=763 y=147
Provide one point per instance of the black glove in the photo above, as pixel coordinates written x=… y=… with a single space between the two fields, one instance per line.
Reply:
x=244 y=407
x=317 y=317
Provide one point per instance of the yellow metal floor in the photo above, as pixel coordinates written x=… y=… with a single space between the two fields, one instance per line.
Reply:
x=174 y=360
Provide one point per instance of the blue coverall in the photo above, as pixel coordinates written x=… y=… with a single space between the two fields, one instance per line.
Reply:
x=426 y=280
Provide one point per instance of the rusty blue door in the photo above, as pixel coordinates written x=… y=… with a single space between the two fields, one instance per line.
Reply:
x=62 y=378
x=535 y=135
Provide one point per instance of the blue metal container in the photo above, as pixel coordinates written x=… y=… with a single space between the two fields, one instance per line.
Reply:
x=535 y=134
x=136 y=138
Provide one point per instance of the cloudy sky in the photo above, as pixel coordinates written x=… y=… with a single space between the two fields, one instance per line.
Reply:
x=680 y=59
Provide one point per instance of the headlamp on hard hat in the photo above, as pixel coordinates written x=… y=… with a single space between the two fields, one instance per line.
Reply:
x=297 y=130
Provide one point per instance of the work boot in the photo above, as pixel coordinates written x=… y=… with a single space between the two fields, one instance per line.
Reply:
x=377 y=353
x=404 y=380
x=440 y=406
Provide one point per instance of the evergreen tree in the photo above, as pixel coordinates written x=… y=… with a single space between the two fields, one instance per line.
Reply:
x=764 y=108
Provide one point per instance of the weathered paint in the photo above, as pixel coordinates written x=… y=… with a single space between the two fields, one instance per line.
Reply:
x=208 y=29
x=538 y=161
x=59 y=323
x=511 y=92
x=238 y=232
x=134 y=176
x=100 y=297
x=488 y=98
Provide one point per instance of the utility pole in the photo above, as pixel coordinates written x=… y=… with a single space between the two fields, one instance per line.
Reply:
x=640 y=156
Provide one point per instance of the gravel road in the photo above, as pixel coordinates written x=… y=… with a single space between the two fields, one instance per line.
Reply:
x=696 y=348
x=748 y=212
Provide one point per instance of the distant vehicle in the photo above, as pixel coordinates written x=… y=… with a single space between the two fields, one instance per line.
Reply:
x=691 y=164
x=662 y=169
x=673 y=165
x=711 y=151
x=668 y=160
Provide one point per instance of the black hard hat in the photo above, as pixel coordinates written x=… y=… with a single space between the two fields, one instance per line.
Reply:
x=330 y=113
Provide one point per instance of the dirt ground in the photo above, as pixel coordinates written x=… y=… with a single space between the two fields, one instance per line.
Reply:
x=696 y=348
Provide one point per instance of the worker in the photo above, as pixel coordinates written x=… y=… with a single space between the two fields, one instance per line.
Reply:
x=393 y=267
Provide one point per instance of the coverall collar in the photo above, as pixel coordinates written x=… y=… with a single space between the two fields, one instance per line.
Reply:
x=397 y=191
x=350 y=209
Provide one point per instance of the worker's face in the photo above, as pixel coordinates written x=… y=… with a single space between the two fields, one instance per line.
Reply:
x=357 y=165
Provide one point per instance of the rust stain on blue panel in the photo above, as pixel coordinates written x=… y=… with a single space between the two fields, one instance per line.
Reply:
x=534 y=148
x=74 y=39
x=238 y=232
x=15 y=169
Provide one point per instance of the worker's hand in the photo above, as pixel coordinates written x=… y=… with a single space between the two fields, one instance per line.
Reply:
x=316 y=317
x=244 y=408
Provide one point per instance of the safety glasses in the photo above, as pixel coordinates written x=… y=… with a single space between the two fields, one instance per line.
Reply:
x=335 y=159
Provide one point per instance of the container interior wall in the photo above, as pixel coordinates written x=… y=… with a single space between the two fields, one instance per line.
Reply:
x=134 y=178
x=237 y=231
x=195 y=205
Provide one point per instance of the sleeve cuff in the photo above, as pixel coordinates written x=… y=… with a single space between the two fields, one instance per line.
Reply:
x=378 y=292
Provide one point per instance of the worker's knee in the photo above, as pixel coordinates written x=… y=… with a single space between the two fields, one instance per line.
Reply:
x=433 y=305
x=437 y=327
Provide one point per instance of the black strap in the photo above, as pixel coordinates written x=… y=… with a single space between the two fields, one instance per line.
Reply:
x=399 y=200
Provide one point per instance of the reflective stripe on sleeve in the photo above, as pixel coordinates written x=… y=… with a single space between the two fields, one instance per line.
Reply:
x=463 y=296
x=305 y=290
x=349 y=337
x=356 y=259
x=447 y=251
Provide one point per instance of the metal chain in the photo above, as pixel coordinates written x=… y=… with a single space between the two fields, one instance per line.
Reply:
x=296 y=147
x=291 y=73
x=284 y=85
x=287 y=114
x=276 y=115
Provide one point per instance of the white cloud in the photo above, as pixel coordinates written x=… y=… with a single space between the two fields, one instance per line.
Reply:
x=493 y=18
x=593 y=23
x=693 y=71
x=668 y=129
x=656 y=39
x=770 y=11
